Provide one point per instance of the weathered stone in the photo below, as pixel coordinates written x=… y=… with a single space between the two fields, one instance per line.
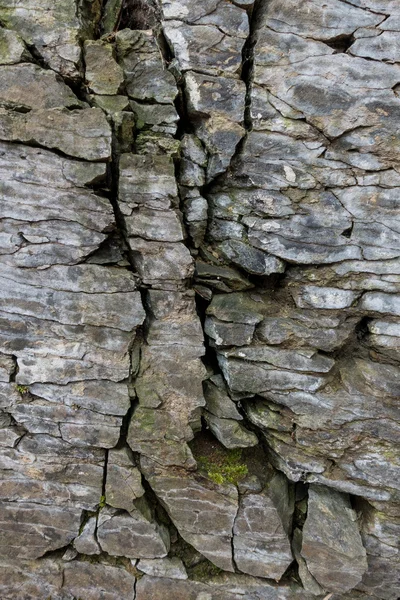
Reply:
x=261 y=544
x=145 y=75
x=59 y=129
x=228 y=334
x=332 y=546
x=131 y=534
x=12 y=49
x=215 y=506
x=86 y=542
x=52 y=29
x=124 y=481
x=250 y=259
x=173 y=568
x=217 y=399
x=84 y=580
x=230 y=432
x=379 y=532
x=103 y=74
x=39 y=88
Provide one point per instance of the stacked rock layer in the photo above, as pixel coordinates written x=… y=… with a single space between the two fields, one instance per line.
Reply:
x=199 y=300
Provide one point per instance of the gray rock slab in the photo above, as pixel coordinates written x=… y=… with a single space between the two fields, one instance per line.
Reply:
x=103 y=74
x=38 y=88
x=261 y=545
x=78 y=133
x=332 y=546
x=173 y=568
x=131 y=535
x=215 y=506
x=86 y=542
x=124 y=480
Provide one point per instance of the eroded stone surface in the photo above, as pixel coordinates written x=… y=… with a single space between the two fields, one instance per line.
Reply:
x=253 y=155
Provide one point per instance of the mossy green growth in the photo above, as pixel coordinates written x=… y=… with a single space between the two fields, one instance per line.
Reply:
x=102 y=502
x=204 y=571
x=22 y=389
x=223 y=466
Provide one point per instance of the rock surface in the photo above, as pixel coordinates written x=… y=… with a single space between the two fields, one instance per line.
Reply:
x=199 y=300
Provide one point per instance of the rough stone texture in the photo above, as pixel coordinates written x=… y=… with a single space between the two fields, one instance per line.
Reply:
x=199 y=299
x=332 y=546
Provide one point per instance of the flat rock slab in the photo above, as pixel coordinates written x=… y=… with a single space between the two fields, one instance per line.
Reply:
x=332 y=546
x=78 y=133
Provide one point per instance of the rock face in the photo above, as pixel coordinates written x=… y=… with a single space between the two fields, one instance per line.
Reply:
x=199 y=299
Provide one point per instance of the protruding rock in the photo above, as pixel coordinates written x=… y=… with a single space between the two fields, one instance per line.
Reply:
x=131 y=534
x=173 y=568
x=86 y=542
x=260 y=542
x=124 y=480
x=332 y=546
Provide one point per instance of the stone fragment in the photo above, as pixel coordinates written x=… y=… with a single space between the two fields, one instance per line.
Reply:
x=69 y=554
x=12 y=49
x=228 y=334
x=147 y=181
x=342 y=19
x=84 y=579
x=31 y=579
x=309 y=583
x=161 y=265
x=206 y=48
x=217 y=400
x=379 y=531
x=131 y=534
x=38 y=88
x=260 y=542
x=53 y=29
x=230 y=432
x=230 y=278
x=86 y=542
x=145 y=75
x=250 y=259
x=312 y=296
x=169 y=382
x=103 y=74
x=60 y=129
x=124 y=480
x=173 y=568
x=332 y=546
x=215 y=506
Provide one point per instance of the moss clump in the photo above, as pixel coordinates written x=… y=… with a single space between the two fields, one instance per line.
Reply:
x=223 y=466
x=204 y=571
x=102 y=502
x=22 y=389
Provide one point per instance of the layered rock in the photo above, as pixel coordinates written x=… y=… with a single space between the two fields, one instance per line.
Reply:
x=199 y=301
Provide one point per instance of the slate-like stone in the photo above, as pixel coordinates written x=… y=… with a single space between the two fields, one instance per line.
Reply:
x=123 y=483
x=215 y=506
x=145 y=75
x=84 y=580
x=103 y=74
x=332 y=546
x=261 y=544
x=60 y=129
x=52 y=29
x=86 y=542
x=131 y=534
x=38 y=88
x=173 y=568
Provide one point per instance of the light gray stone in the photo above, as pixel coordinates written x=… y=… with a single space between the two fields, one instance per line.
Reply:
x=332 y=546
x=131 y=535
x=173 y=568
x=86 y=542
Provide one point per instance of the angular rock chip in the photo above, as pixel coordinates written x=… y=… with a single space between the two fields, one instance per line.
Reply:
x=332 y=546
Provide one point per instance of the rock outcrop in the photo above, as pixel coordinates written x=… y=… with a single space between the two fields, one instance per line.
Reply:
x=199 y=299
